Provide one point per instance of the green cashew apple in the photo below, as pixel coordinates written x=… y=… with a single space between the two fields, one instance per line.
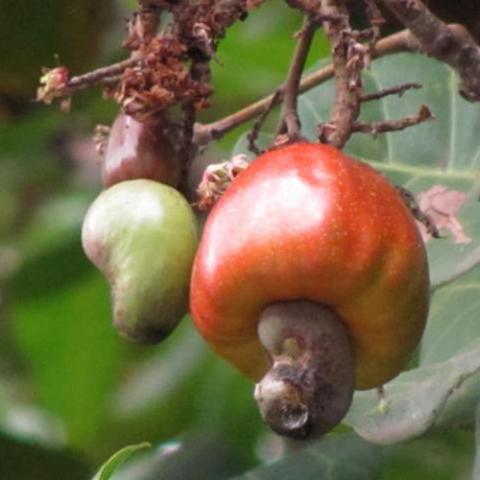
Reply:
x=143 y=236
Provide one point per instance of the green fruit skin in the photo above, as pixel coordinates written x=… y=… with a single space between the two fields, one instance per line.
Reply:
x=143 y=236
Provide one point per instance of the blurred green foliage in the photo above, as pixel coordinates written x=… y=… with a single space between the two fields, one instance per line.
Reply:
x=37 y=34
x=71 y=391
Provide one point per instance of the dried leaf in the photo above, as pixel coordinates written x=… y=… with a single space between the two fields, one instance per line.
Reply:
x=442 y=206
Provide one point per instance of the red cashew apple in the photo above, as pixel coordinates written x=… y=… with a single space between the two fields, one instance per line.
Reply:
x=312 y=279
x=139 y=150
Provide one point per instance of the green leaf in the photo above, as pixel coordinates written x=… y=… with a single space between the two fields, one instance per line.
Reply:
x=198 y=455
x=25 y=461
x=153 y=380
x=54 y=223
x=453 y=325
x=109 y=467
x=184 y=376
x=73 y=352
x=342 y=457
x=241 y=145
x=476 y=464
x=32 y=33
x=27 y=422
x=446 y=387
x=414 y=400
x=443 y=455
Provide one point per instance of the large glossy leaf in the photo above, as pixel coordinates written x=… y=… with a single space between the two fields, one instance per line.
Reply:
x=441 y=456
x=444 y=153
x=342 y=457
x=453 y=326
x=413 y=401
x=199 y=456
x=454 y=319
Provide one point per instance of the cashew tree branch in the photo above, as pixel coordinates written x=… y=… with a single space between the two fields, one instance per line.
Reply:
x=290 y=122
x=451 y=44
x=347 y=57
x=205 y=133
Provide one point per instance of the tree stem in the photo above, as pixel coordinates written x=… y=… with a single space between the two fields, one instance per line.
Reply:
x=290 y=122
x=451 y=44
x=205 y=133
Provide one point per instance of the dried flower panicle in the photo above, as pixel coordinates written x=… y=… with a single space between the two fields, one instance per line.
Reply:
x=161 y=80
x=142 y=28
x=175 y=67
x=217 y=178
x=167 y=68
x=52 y=83
x=211 y=17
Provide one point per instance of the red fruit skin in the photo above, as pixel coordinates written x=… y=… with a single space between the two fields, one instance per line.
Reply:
x=138 y=150
x=306 y=222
